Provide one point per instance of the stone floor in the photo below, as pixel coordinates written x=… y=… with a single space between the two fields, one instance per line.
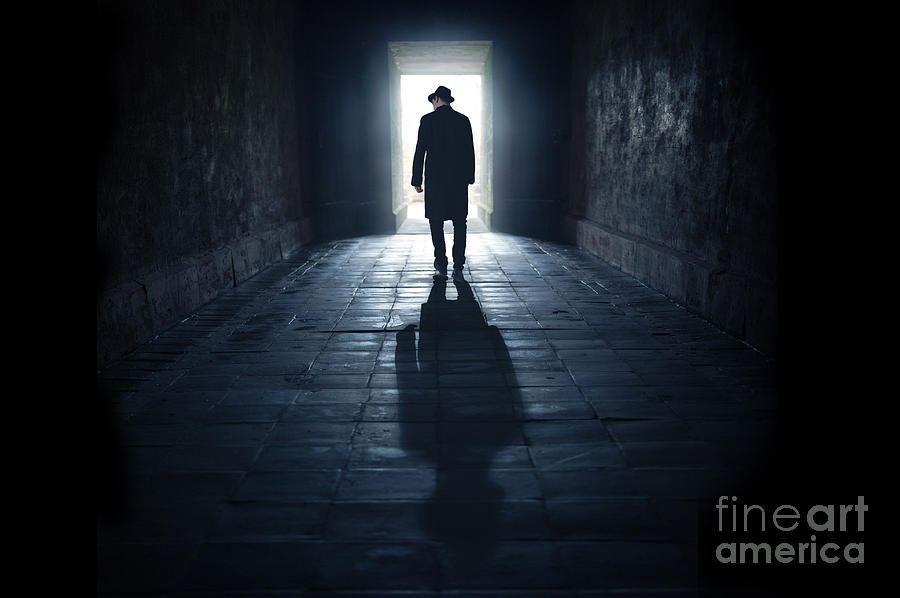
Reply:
x=342 y=424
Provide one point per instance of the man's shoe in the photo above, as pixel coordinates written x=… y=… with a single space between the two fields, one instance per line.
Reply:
x=440 y=271
x=458 y=273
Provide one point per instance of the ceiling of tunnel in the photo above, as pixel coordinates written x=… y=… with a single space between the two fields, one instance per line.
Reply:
x=447 y=58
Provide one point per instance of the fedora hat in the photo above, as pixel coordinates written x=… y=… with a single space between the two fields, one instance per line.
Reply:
x=441 y=92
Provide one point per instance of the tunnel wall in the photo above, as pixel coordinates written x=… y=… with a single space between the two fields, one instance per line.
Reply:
x=346 y=71
x=530 y=76
x=199 y=181
x=672 y=153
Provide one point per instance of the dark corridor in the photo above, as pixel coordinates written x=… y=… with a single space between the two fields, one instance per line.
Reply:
x=291 y=405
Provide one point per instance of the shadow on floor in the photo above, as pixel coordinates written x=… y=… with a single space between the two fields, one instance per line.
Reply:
x=474 y=419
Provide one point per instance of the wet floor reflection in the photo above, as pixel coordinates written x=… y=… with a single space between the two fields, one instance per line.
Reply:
x=464 y=363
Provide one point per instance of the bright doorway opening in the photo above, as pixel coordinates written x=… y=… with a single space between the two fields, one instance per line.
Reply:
x=416 y=69
x=414 y=91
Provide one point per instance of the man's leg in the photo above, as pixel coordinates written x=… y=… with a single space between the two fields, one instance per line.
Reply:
x=459 y=242
x=459 y=247
x=440 y=246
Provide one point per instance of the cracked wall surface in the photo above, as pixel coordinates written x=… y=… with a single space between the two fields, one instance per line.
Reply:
x=198 y=171
x=673 y=154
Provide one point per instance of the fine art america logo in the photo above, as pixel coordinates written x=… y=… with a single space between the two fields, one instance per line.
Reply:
x=819 y=534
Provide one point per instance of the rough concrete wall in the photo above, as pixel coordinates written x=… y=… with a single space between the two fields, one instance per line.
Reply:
x=673 y=153
x=198 y=173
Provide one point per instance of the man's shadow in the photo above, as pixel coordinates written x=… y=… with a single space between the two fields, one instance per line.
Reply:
x=476 y=417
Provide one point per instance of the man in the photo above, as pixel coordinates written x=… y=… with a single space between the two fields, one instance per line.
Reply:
x=445 y=136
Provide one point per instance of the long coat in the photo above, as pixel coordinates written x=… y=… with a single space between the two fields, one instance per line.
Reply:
x=446 y=150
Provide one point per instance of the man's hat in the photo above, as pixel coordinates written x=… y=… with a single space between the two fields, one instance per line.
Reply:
x=441 y=92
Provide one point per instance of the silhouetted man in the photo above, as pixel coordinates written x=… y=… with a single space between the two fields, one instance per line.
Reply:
x=445 y=136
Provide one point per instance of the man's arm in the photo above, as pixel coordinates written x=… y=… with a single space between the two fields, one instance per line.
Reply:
x=419 y=157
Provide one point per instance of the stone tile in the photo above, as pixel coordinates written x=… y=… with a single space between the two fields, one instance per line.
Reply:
x=387 y=484
x=153 y=435
x=542 y=379
x=532 y=354
x=380 y=456
x=551 y=409
x=318 y=433
x=622 y=518
x=263 y=521
x=378 y=520
x=587 y=352
x=479 y=410
x=602 y=483
x=215 y=434
x=547 y=394
x=142 y=567
x=290 y=457
x=403 y=380
x=487 y=484
x=203 y=383
x=485 y=519
x=185 y=487
x=488 y=396
x=624 y=564
x=329 y=396
x=287 y=485
x=671 y=454
x=338 y=412
x=525 y=366
x=324 y=367
x=681 y=378
x=241 y=414
x=651 y=430
x=219 y=369
x=465 y=354
x=466 y=456
x=160 y=524
x=260 y=397
x=411 y=412
x=251 y=565
x=493 y=379
x=485 y=565
x=377 y=565
x=407 y=395
x=588 y=431
x=404 y=433
x=684 y=483
x=611 y=378
x=211 y=458
x=335 y=354
x=577 y=456
x=615 y=393
x=264 y=383
x=632 y=409
x=480 y=433
x=330 y=381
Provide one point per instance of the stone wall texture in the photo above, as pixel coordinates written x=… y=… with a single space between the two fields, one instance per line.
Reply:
x=672 y=155
x=198 y=169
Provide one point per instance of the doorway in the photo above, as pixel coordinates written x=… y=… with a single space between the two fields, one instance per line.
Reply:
x=416 y=69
